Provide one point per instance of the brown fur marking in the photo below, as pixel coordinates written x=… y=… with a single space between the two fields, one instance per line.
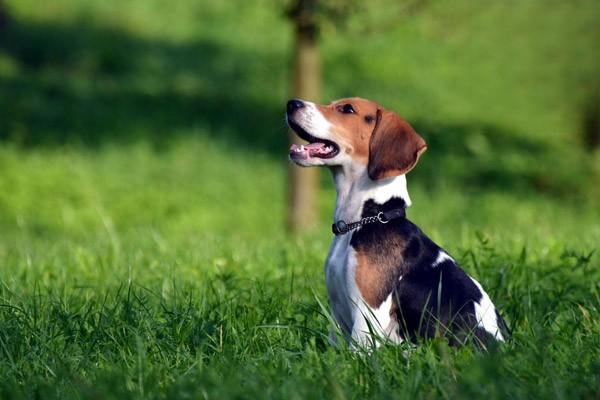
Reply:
x=378 y=271
x=394 y=148
x=390 y=147
x=351 y=131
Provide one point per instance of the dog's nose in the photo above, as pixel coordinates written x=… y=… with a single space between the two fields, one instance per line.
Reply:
x=293 y=105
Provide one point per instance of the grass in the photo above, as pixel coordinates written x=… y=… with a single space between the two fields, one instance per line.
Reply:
x=142 y=183
x=118 y=288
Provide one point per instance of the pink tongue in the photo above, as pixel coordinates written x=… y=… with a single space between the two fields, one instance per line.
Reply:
x=309 y=150
x=314 y=147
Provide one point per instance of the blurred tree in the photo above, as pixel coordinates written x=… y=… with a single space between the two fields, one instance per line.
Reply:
x=307 y=16
x=303 y=187
x=591 y=122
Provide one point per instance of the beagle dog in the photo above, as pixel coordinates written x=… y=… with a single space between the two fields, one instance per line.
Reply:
x=385 y=278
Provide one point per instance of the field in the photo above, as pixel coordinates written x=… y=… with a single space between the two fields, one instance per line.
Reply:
x=142 y=199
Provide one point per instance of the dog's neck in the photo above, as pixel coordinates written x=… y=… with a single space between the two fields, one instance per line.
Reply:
x=354 y=188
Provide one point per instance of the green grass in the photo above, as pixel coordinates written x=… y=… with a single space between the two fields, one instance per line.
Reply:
x=142 y=186
x=138 y=275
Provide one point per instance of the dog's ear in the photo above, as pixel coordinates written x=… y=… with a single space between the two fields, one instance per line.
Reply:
x=394 y=147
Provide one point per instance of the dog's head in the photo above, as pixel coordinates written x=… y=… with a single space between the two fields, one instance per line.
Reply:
x=354 y=131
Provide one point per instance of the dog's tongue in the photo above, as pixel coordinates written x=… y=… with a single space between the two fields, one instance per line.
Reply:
x=307 y=150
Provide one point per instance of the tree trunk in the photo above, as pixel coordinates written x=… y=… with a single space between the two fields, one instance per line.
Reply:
x=303 y=182
x=591 y=123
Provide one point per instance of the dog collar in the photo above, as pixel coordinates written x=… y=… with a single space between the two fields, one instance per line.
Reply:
x=383 y=217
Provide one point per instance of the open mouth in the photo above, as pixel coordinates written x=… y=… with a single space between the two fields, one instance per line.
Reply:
x=316 y=148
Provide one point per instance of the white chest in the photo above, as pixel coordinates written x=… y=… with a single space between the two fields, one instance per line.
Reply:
x=339 y=276
x=353 y=314
x=351 y=311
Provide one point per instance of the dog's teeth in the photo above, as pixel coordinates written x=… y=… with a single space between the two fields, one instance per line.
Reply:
x=302 y=148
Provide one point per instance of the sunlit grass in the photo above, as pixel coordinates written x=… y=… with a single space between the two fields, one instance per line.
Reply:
x=145 y=273
x=142 y=200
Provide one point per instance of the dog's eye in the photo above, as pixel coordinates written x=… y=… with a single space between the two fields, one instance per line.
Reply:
x=347 y=109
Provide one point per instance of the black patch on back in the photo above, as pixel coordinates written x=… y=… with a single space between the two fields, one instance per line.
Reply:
x=381 y=239
x=413 y=248
x=429 y=300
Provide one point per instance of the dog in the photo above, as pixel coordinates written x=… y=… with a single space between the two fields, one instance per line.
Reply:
x=386 y=280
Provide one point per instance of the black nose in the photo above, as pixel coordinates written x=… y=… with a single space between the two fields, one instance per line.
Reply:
x=293 y=105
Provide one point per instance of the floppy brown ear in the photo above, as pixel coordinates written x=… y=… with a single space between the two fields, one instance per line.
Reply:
x=394 y=147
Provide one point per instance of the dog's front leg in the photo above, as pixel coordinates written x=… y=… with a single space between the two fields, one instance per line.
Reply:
x=361 y=337
x=372 y=326
x=366 y=329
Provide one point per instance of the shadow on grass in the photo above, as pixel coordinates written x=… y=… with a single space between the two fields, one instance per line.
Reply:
x=89 y=85
x=481 y=155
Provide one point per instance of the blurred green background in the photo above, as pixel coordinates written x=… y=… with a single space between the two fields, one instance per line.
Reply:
x=150 y=101
x=143 y=143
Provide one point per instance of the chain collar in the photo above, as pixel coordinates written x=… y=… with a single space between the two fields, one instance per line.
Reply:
x=341 y=227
